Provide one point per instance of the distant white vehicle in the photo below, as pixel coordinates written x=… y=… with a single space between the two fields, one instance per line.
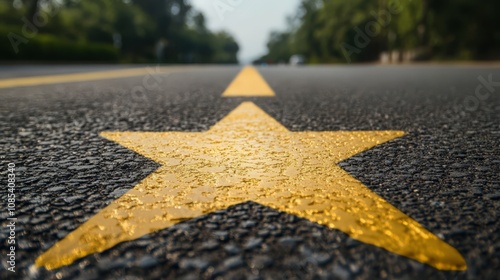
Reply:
x=297 y=59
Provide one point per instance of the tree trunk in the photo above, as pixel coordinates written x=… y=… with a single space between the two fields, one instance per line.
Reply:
x=33 y=9
x=425 y=24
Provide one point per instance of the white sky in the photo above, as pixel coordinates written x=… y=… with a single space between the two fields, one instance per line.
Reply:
x=249 y=21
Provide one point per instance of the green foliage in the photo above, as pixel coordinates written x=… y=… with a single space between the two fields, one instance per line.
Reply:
x=357 y=30
x=47 y=47
x=8 y=14
x=133 y=30
x=225 y=48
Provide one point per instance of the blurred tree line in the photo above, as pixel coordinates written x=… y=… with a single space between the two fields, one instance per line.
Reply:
x=169 y=31
x=330 y=31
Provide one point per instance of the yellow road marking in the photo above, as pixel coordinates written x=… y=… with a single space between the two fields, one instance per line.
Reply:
x=250 y=156
x=81 y=77
x=248 y=83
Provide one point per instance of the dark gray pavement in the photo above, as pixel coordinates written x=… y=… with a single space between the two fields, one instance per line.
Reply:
x=444 y=173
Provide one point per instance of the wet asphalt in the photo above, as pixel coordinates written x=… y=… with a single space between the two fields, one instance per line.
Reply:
x=444 y=173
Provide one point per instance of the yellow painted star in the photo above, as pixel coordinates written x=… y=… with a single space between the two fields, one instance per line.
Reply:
x=248 y=156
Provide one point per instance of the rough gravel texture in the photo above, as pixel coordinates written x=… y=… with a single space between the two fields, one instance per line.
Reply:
x=444 y=173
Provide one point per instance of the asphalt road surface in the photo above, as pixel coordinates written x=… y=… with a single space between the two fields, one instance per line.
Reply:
x=444 y=173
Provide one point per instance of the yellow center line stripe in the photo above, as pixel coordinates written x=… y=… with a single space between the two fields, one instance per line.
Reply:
x=87 y=76
x=248 y=83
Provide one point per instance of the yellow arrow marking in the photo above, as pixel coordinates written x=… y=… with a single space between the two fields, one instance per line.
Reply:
x=250 y=156
x=81 y=77
x=248 y=83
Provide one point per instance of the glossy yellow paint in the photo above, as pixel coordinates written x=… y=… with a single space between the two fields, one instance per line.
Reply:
x=250 y=156
x=82 y=77
x=248 y=83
